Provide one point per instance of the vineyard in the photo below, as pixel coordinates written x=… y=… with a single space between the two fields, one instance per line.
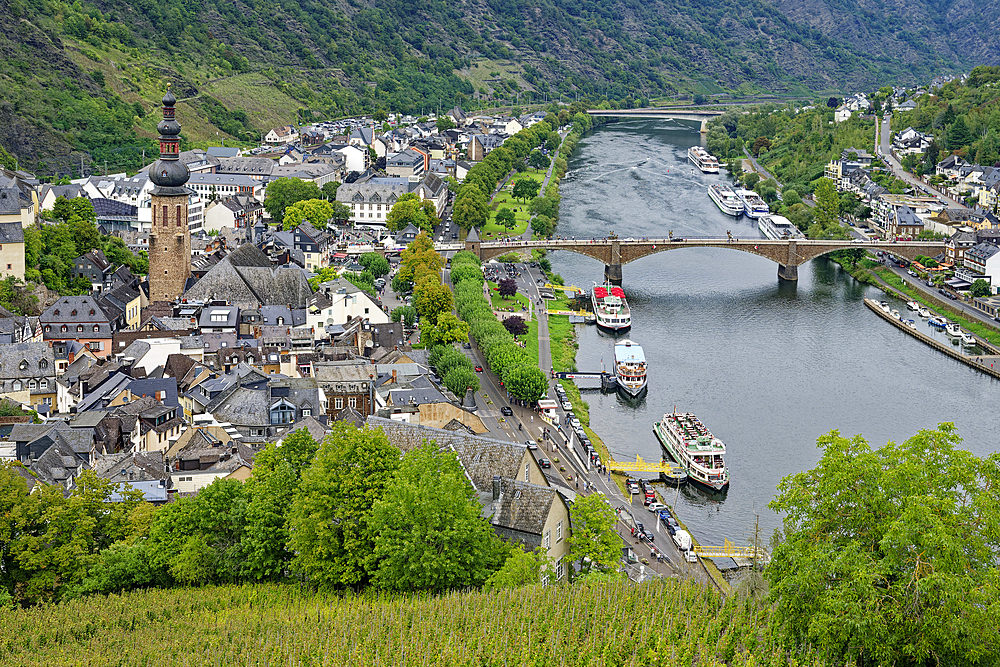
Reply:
x=601 y=623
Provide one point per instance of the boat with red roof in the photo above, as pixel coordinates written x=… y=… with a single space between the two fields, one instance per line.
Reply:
x=610 y=307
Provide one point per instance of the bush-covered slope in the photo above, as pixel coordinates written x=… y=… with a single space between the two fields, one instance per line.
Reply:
x=82 y=76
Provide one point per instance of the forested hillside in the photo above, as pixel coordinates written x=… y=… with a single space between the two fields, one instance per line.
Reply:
x=79 y=79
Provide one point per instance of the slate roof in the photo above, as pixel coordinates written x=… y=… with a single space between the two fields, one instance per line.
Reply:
x=481 y=457
x=11 y=232
x=981 y=252
x=38 y=359
x=138 y=466
x=523 y=506
x=245 y=279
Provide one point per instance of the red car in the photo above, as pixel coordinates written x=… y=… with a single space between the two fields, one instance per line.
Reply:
x=479 y=369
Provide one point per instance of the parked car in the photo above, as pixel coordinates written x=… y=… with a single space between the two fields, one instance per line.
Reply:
x=566 y=405
x=466 y=346
x=544 y=463
x=479 y=369
x=656 y=507
x=531 y=444
x=506 y=411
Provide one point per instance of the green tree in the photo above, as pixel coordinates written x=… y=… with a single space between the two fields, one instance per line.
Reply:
x=444 y=123
x=546 y=206
x=405 y=314
x=506 y=218
x=459 y=379
x=410 y=210
x=329 y=190
x=374 y=263
x=542 y=225
x=432 y=298
x=594 y=543
x=284 y=192
x=552 y=141
x=750 y=179
x=521 y=568
x=980 y=288
x=444 y=330
x=277 y=471
x=77 y=207
x=959 y=134
x=790 y=197
x=330 y=522
x=525 y=189
x=316 y=212
x=429 y=532
x=471 y=208
x=341 y=213
x=827 y=209
x=526 y=382
x=885 y=556
x=538 y=160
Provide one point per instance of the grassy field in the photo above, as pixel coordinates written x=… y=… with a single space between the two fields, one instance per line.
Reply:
x=605 y=624
x=503 y=199
x=512 y=305
x=266 y=106
x=531 y=339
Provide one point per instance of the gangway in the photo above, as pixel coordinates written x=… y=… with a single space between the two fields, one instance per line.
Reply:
x=640 y=465
x=730 y=550
x=572 y=289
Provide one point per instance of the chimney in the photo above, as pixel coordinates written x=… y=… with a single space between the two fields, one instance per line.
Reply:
x=394 y=376
x=496 y=487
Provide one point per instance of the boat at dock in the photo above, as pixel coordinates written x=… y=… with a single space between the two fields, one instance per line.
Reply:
x=968 y=340
x=630 y=367
x=726 y=199
x=778 y=228
x=704 y=160
x=953 y=329
x=693 y=447
x=912 y=305
x=753 y=205
x=938 y=322
x=923 y=312
x=610 y=307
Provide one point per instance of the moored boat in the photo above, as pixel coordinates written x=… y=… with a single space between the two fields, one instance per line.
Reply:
x=753 y=205
x=778 y=228
x=692 y=446
x=726 y=199
x=938 y=322
x=968 y=340
x=894 y=313
x=912 y=305
x=923 y=312
x=953 y=329
x=630 y=367
x=610 y=307
x=704 y=160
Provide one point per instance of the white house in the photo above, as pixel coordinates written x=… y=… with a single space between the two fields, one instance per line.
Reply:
x=281 y=135
x=841 y=114
x=347 y=303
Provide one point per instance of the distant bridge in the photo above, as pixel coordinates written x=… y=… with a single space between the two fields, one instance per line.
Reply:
x=698 y=115
x=615 y=252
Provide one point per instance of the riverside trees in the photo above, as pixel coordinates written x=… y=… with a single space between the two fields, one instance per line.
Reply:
x=889 y=556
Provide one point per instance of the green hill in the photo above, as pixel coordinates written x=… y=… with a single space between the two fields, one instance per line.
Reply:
x=614 y=623
x=79 y=79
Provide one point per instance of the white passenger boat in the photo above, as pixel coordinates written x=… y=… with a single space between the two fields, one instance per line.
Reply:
x=968 y=340
x=704 y=160
x=726 y=199
x=894 y=313
x=953 y=330
x=694 y=448
x=778 y=228
x=923 y=312
x=630 y=367
x=938 y=322
x=610 y=307
x=912 y=305
x=753 y=205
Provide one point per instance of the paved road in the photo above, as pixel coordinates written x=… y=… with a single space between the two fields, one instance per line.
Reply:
x=883 y=134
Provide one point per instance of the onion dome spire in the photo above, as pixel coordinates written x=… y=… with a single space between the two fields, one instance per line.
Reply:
x=168 y=173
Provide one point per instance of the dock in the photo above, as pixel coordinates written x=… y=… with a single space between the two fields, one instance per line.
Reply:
x=989 y=364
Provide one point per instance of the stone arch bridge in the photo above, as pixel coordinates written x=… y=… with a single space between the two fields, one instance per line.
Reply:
x=700 y=116
x=615 y=252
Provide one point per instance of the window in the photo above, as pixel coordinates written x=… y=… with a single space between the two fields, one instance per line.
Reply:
x=23 y=365
x=79 y=328
x=547 y=540
x=353 y=402
x=44 y=384
x=48 y=328
x=559 y=570
x=31 y=384
x=559 y=532
x=96 y=328
x=306 y=412
x=527 y=469
x=63 y=328
x=338 y=403
x=16 y=385
x=257 y=431
x=43 y=364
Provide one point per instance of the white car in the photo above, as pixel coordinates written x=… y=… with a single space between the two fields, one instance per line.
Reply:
x=656 y=507
x=566 y=405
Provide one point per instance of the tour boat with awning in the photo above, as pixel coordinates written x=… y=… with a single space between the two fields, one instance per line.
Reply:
x=610 y=307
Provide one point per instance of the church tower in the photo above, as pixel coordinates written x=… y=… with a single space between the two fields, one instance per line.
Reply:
x=169 y=240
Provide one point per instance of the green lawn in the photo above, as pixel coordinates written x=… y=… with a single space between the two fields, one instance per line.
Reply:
x=512 y=305
x=491 y=230
x=531 y=338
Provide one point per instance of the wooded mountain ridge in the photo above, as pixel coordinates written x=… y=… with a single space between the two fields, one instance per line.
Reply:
x=80 y=78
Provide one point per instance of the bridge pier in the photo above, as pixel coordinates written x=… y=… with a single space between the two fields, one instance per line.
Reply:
x=613 y=274
x=790 y=272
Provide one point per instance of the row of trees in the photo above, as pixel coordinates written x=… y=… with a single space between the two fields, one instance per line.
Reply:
x=508 y=360
x=471 y=207
x=420 y=272
x=350 y=512
x=454 y=368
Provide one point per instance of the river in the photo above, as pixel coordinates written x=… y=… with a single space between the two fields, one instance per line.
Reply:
x=768 y=366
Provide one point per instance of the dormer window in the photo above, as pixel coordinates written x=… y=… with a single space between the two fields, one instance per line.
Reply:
x=56 y=312
x=48 y=328
x=96 y=328
x=92 y=311
x=43 y=364
x=79 y=328
x=73 y=313
x=23 y=365
x=63 y=329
